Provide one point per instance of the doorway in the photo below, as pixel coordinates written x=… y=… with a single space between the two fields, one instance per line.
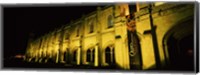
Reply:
x=179 y=46
x=181 y=53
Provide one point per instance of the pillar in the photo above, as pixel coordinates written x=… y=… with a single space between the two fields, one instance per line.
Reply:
x=96 y=56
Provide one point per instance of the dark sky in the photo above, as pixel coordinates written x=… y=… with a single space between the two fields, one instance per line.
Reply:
x=20 y=21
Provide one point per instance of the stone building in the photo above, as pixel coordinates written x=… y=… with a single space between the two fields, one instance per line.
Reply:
x=127 y=36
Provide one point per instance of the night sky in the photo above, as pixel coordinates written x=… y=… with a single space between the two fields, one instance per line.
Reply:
x=21 y=21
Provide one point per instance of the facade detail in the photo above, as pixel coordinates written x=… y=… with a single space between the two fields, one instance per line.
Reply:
x=121 y=35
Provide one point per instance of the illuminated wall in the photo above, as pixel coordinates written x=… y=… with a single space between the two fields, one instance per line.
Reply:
x=91 y=32
x=165 y=16
x=106 y=28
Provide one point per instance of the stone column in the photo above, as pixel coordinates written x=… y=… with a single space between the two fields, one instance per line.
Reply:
x=96 y=56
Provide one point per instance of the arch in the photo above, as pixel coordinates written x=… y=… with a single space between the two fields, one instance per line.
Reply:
x=75 y=55
x=90 y=55
x=88 y=59
x=108 y=44
x=92 y=45
x=180 y=24
x=67 y=55
x=176 y=42
x=109 y=54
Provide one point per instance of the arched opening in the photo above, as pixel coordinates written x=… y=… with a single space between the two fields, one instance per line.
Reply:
x=88 y=55
x=179 y=46
x=67 y=56
x=181 y=53
x=43 y=57
x=109 y=54
x=53 y=56
x=75 y=56
x=60 y=56
x=33 y=59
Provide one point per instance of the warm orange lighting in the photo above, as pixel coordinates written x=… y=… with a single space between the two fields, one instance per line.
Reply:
x=19 y=56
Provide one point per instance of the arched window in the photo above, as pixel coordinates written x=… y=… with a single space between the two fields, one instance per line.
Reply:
x=91 y=27
x=109 y=55
x=66 y=55
x=75 y=55
x=109 y=21
x=88 y=55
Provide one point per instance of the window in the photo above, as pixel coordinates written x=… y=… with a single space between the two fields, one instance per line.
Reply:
x=88 y=55
x=110 y=21
x=66 y=55
x=109 y=56
x=91 y=28
x=75 y=55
